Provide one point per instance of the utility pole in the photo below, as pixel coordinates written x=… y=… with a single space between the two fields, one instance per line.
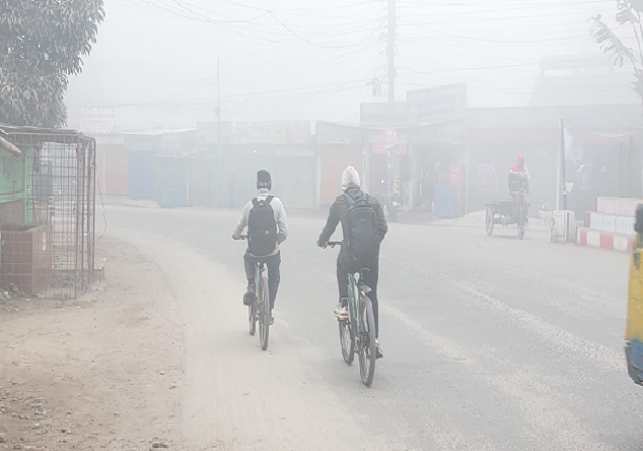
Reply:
x=563 y=169
x=561 y=182
x=219 y=137
x=390 y=53
x=219 y=103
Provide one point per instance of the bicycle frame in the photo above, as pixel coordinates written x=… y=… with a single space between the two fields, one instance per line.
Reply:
x=260 y=309
x=360 y=325
x=353 y=299
x=262 y=304
x=354 y=293
x=518 y=200
x=259 y=269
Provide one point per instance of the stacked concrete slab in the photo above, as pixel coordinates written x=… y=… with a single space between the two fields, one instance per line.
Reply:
x=611 y=226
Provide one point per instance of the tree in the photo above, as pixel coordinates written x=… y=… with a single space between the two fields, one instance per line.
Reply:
x=629 y=14
x=42 y=43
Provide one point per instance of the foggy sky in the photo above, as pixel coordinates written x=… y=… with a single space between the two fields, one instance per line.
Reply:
x=156 y=60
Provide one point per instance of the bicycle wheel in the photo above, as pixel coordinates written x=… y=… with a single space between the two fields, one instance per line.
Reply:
x=521 y=223
x=264 y=313
x=366 y=345
x=252 y=318
x=347 y=340
x=489 y=220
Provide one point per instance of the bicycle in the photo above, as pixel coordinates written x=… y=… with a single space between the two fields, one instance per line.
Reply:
x=357 y=333
x=259 y=311
x=519 y=210
x=518 y=187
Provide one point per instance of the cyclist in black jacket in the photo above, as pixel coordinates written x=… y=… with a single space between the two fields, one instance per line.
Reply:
x=339 y=213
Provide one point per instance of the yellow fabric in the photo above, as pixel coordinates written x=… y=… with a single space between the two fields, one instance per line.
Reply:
x=634 y=329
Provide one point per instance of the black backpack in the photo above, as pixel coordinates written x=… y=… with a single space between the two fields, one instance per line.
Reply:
x=363 y=240
x=262 y=228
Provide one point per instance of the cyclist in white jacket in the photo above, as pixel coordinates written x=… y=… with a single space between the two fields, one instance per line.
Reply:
x=270 y=230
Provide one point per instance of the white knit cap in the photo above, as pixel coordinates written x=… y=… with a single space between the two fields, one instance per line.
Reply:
x=350 y=177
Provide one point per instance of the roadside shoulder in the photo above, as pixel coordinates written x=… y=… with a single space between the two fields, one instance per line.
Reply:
x=102 y=371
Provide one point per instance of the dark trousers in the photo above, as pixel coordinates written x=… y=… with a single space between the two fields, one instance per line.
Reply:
x=274 y=277
x=370 y=279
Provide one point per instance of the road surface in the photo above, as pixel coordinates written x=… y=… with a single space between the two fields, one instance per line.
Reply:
x=490 y=343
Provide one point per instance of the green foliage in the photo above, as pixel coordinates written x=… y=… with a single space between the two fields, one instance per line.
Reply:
x=42 y=42
x=629 y=13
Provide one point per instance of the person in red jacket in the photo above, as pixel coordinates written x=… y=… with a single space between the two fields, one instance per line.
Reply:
x=519 y=180
x=518 y=175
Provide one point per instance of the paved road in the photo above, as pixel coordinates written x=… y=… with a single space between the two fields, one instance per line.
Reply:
x=490 y=343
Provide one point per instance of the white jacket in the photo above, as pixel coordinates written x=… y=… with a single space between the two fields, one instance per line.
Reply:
x=280 y=218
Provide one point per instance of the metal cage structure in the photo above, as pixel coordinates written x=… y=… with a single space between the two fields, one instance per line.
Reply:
x=47 y=212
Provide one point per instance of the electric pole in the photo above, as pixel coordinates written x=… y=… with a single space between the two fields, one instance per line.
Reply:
x=219 y=104
x=391 y=154
x=219 y=136
x=390 y=53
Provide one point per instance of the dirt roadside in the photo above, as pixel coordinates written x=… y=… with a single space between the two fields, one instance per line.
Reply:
x=158 y=355
x=103 y=372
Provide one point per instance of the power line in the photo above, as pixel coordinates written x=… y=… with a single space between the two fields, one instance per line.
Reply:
x=498 y=7
x=328 y=7
x=196 y=16
x=270 y=24
x=286 y=27
x=309 y=42
x=552 y=85
x=319 y=95
x=502 y=41
x=297 y=91
x=491 y=18
x=209 y=19
x=222 y=25
x=462 y=69
x=183 y=11
x=460 y=51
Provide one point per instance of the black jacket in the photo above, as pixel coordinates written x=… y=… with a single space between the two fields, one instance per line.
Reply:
x=339 y=213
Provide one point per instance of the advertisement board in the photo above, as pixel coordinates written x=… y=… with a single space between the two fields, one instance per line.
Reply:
x=438 y=104
x=99 y=120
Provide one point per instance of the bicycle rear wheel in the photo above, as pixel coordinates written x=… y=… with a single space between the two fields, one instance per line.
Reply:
x=252 y=318
x=264 y=313
x=521 y=223
x=347 y=340
x=489 y=220
x=366 y=345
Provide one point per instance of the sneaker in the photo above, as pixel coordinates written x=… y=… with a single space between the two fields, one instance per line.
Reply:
x=250 y=297
x=272 y=319
x=341 y=312
x=378 y=349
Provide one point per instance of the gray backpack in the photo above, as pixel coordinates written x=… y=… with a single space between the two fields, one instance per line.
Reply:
x=363 y=240
x=262 y=228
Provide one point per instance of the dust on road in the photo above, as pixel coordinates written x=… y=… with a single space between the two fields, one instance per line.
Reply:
x=103 y=372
